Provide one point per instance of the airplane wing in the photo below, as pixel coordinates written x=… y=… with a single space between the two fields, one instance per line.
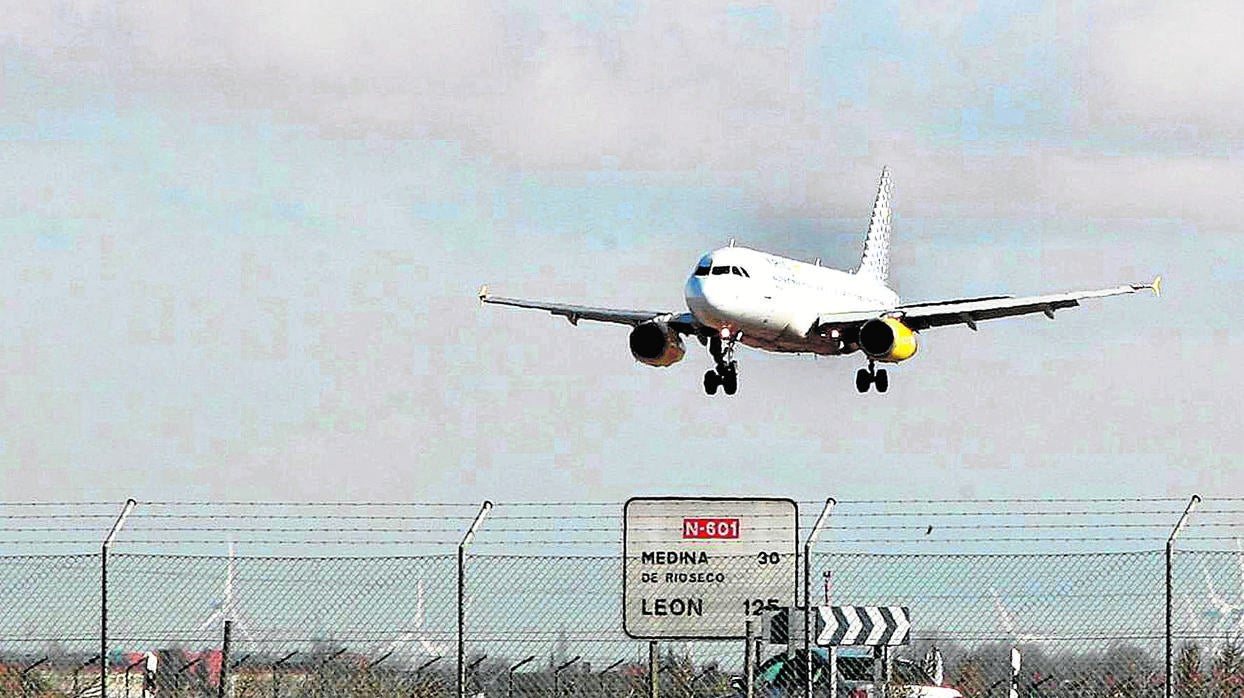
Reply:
x=968 y=312
x=682 y=322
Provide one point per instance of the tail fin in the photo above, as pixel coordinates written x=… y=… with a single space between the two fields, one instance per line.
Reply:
x=876 y=260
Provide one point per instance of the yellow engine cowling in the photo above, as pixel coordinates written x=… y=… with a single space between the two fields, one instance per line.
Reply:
x=887 y=339
x=655 y=344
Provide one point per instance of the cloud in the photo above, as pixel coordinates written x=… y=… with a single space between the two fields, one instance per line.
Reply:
x=693 y=84
x=1170 y=70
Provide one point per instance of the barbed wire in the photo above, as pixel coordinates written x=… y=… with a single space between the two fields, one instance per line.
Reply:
x=611 y=529
x=618 y=517
x=585 y=505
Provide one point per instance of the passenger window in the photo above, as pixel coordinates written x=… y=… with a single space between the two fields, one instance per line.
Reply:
x=701 y=271
x=718 y=271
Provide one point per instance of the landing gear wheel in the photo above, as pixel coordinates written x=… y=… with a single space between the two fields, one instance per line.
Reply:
x=725 y=373
x=882 y=380
x=863 y=379
x=711 y=381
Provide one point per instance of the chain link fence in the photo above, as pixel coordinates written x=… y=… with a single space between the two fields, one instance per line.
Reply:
x=548 y=622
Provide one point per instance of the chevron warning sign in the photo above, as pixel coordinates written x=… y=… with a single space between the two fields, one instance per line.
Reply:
x=863 y=625
x=842 y=625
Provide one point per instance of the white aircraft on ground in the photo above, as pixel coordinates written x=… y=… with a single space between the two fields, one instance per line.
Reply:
x=737 y=295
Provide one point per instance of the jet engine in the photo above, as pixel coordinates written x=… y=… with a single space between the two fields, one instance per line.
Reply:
x=887 y=339
x=655 y=344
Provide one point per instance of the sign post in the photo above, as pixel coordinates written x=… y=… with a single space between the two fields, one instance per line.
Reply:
x=700 y=568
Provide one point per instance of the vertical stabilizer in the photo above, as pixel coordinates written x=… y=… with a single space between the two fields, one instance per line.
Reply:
x=876 y=260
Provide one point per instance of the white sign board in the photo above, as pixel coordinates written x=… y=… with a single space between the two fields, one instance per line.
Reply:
x=700 y=568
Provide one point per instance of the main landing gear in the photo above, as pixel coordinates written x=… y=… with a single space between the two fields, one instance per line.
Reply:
x=872 y=376
x=726 y=373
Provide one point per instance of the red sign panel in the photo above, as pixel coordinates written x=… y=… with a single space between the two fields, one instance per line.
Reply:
x=710 y=529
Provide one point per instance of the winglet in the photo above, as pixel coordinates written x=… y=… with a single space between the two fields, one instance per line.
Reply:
x=483 y=293
x=1155 y=286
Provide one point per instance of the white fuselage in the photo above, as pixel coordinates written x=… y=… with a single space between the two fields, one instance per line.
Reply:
x=774 y=302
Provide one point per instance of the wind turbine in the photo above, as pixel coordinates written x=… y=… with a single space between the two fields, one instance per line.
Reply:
x=1007 y=620
x=1223 y=608
x=415 y=634
x=227 y=607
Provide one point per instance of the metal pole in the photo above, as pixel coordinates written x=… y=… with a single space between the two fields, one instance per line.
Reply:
x=29 y=669
x=224 y=660
x=749 y=669
x=470 y=670
x=374 y=664
x=427 y=664
x=557 y=677
x=611 y=667
x=807 y=596
x=600 y=676
x=276 y=675
x=78 y=670
x=1015 y=663
x=127 y=674
x=1170 y=546
x=758 y=653
x=182 y=670
x=103 y=595
x=510 y=686
x=653 y=679
x=466 y=540
x=832 y=652
x=319 y=672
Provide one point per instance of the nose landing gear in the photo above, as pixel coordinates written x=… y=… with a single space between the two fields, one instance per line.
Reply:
x=726 y=373
x=870 y=376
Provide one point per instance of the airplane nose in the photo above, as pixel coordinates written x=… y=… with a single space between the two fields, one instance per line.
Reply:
x=694 y=289
x=705 y=299
x=694 y=295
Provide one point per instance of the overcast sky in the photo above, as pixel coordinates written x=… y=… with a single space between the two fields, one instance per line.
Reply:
x=240 y=244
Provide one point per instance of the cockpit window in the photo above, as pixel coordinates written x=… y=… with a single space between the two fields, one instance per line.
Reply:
x=702 y=270
x=718 y=271
x=739 y=271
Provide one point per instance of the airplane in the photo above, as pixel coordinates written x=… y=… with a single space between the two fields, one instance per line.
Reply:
x=738 y=295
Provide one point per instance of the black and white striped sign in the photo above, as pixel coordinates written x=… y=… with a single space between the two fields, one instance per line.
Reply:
x=872 y=626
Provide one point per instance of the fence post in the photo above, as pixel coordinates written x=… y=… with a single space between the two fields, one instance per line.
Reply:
x=653 y=679
x=749 y=667
x=26 y=671
x=807 y=596
x=1015 y=663
x=466 y=540
x=1170 y=546
x=224 y=660
x=276 y=674
x=509 y=691
x=132 y=664
x=557 y=677
x=831 y=652
x=103 y=595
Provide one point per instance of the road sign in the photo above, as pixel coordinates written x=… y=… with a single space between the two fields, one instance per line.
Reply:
x=864 y=625
x=701 y=567
x=871 y=626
